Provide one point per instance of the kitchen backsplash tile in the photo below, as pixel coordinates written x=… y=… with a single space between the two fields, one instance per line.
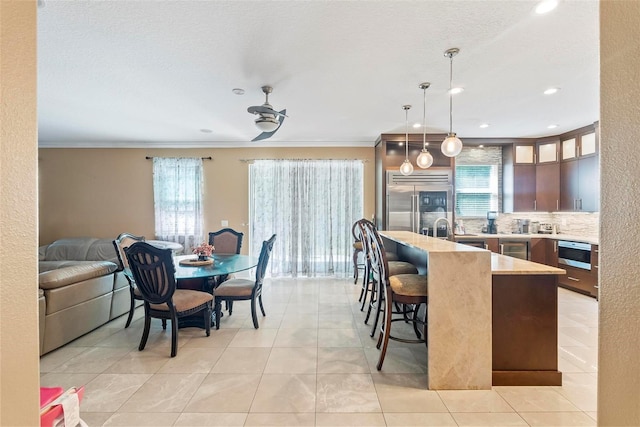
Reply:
x=576 y=224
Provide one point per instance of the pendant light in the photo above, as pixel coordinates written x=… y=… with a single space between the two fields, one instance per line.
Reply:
x=425 y=159
x=451 y=146
x=407 y=167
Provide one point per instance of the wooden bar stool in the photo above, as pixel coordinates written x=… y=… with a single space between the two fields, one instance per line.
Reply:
x=405 y=291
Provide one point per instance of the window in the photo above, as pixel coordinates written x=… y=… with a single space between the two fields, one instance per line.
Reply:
x=311 y=206
x=476 y=190
x=177 y=192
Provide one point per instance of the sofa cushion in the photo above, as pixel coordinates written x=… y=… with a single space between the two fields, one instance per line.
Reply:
x=75 y=273
x=44 y=266
x=81 y=249
x=78 y=292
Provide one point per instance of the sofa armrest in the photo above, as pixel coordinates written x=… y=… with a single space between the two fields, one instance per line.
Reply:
x=64 y=276
x=42 y=251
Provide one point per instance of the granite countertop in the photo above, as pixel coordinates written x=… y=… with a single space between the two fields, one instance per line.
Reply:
x=560 y=236
x=500 y=264
x=503 y=265
x=427 y=243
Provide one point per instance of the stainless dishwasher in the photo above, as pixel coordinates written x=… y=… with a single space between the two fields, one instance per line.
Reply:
x=515 y=248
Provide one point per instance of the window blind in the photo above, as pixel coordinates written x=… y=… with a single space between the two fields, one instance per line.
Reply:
x=476 y=190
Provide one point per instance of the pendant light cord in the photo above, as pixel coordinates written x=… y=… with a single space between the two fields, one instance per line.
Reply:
x=450 y=93
x=424 y=120
x=406 y=135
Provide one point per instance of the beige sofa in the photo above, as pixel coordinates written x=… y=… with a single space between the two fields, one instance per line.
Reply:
x=80 y=289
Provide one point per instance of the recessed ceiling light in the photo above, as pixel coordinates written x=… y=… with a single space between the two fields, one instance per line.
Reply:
x=206 y=130
x=416 y=125
x=552 y=126
x=455 y=90
x=551 y=91
x=546 y=6
x=484 y=125
x=238 y=91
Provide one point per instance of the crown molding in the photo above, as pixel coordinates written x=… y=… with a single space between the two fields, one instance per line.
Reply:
x=201 y=144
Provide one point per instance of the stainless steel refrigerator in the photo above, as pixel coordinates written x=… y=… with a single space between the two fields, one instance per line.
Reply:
x=414 y=202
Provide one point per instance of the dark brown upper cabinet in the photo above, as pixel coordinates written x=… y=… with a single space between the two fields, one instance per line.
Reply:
x=580 y=171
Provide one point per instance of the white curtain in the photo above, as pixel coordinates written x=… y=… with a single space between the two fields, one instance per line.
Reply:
x=311 y=206
x=177 y=191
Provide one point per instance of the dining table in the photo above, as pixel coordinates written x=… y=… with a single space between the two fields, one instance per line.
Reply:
x=206 y=277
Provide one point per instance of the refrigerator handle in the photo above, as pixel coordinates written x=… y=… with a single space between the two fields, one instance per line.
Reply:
x=416 y=214
x=413 y=213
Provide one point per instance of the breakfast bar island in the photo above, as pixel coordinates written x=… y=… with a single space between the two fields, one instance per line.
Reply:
x=492 y=319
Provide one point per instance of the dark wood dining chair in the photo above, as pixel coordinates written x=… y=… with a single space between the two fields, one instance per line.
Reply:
x=125 y=240
x=154 y=273
x=226 y=241
x=245 y=289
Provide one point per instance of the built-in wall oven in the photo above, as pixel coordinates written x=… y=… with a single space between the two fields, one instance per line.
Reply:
x=575 y=254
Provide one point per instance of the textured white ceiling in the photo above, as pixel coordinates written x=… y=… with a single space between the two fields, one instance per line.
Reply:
x=148 y=73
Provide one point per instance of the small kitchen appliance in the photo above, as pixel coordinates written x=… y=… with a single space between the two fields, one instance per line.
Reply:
x=535 y=227
x=545 y=228
x=492 y=227
x=521 y=226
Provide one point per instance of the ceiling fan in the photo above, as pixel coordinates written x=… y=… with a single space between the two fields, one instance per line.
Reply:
x=268 y=120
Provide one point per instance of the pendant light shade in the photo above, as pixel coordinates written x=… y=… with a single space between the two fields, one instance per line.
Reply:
x=407 y=167
x=451 y=146
x=425 y=159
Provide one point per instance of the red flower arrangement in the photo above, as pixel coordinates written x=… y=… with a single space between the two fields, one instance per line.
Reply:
x=204 y=249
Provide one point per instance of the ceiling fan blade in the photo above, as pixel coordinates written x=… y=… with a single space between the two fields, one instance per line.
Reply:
x=265 y=135
x=261 y=109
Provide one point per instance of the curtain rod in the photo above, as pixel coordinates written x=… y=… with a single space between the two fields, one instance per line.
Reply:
x=203 y=158
x=253 y=160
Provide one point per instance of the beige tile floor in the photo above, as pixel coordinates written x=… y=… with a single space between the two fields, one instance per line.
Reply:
x=311 y=363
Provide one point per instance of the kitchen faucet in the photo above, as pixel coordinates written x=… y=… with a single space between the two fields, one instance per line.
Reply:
x=435 y=227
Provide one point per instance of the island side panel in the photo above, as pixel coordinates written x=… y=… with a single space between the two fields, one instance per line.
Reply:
x=459 y=321
x=525 y=330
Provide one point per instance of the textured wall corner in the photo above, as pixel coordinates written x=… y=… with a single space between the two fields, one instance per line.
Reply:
x=619 y=341
x=19 y=368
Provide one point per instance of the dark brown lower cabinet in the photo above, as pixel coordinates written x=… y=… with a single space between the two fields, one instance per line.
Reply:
x=580 y=280
x=538 y=250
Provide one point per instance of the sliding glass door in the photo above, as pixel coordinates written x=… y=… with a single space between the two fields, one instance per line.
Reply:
x=311 y=206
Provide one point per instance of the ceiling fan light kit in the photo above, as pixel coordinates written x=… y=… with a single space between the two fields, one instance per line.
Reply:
x=267 y=124
x=268 y=120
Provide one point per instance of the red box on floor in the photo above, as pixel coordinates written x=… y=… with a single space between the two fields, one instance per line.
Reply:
x=51 y=414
